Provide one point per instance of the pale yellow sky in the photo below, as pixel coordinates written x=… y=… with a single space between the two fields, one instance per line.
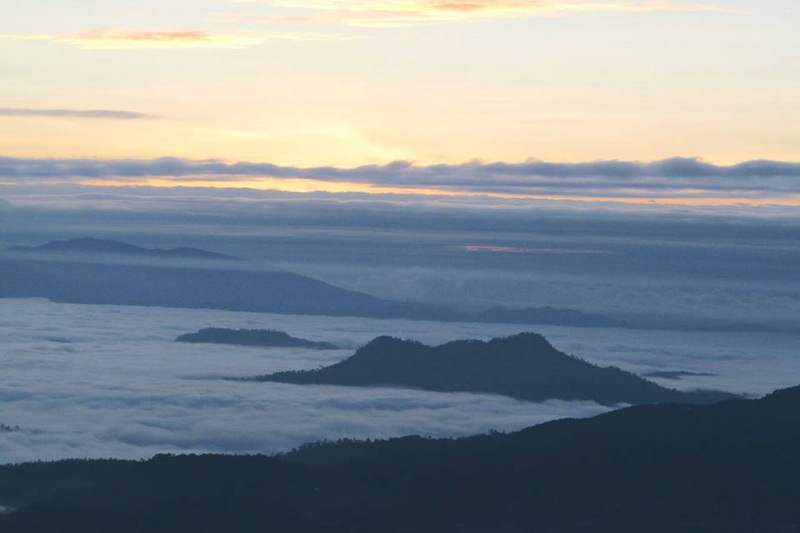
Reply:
x=311 y=83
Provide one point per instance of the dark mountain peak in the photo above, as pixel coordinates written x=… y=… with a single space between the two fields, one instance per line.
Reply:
x=517 y=347
x=524 y=341
x=387 y=341
x=89 y=245
x=386 y=347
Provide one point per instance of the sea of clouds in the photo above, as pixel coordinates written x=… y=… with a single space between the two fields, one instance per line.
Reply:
x=109 y=381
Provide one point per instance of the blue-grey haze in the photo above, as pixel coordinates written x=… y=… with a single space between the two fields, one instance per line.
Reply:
x=667 y=264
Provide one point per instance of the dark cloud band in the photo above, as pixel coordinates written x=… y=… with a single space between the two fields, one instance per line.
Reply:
x=689 y=177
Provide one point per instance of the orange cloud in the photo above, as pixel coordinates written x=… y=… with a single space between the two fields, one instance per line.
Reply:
x=475 y=248
x=109 y=39
x=399 y=13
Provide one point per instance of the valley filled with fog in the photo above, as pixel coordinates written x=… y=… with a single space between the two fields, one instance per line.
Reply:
x=109 y=381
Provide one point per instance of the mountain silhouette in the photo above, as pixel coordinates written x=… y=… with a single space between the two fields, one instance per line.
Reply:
x=730 y=467
x=252 y=337
x=74 y=272
x=525 y=366
x=102 y=246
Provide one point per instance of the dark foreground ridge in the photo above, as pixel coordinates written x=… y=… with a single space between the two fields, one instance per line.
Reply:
x=730 y=467
x=524 y=366
x=253 y=337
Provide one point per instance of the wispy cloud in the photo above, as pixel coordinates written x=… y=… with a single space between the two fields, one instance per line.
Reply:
x=399 y=13
x=109 y=39
x=678 y=177
x=75 y=113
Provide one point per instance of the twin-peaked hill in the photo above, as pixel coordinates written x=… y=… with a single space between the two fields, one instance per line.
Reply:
x=525 y=366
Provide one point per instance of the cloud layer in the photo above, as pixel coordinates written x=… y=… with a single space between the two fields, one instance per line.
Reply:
x=107 y=381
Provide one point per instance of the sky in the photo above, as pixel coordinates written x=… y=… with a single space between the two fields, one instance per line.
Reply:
x=330 y=83
x=574 y=153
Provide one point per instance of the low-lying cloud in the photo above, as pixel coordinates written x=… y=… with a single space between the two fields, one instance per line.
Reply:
x=108 y=381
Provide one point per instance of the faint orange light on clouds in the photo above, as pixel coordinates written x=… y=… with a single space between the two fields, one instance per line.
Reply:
x=302 y=185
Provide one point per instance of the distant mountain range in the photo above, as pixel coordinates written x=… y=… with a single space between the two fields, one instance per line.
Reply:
x=97 y=271
x=48 y=271
x=524 y=366
x=253 y=337
x=114 y=248
x=731 y=467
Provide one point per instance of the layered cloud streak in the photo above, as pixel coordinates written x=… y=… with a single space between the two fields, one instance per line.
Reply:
x=671 y=178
